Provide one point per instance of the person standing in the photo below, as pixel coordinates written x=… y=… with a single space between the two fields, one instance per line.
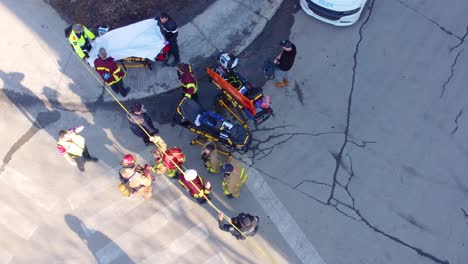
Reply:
x=166 y=164
x=210 y=157
x=284 y=62
x=138 y=117
x=73 y=147
x=187 y=81
x=134 y=178
x=234 y=178
x=194 y=184
x=246 y=223
x=168 y=28
x=80 y=38
x=110 y=72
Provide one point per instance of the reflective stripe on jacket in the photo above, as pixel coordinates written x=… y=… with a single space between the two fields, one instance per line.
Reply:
x=233 y=182
x=79 y=42
x=74 y=146
x=109 y=71
x=196 y=187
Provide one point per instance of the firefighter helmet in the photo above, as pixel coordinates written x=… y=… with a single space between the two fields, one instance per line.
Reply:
x=128 y=160
x=190 y=175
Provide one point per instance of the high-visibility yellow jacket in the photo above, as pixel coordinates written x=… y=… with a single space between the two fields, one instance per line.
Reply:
x=74 y=146
x=233 y=182
x=79 y=42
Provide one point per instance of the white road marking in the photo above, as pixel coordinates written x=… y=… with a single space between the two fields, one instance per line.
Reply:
x=5 y=256
x=16 y=222
x=33 y=191
x=180 y=246
x=216 y=259
x=134 y=240
x=280 y=216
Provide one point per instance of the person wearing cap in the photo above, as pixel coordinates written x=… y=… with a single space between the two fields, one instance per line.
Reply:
x=284 y=62
x=110 y=72
x=246 y=223
x=195 y=185
x=168 y=28
x=187 y=80
x=234 y=178
x=136 y=179
x=167 y=164
x=210 y=157
x=73 y=147
x=138 y=118
x=80 y=38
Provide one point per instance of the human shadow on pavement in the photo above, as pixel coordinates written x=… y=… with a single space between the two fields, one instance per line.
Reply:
x=44 y=117
x=95 y=241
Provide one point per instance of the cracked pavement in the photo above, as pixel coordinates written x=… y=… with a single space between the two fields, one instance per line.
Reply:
x=370 y=158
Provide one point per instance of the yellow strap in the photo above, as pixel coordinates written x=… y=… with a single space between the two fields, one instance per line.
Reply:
x=249 y=240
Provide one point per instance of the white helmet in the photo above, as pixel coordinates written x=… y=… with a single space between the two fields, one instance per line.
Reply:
x=190 y=175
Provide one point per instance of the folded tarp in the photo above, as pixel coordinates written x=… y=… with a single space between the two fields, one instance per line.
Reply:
x=142 y=39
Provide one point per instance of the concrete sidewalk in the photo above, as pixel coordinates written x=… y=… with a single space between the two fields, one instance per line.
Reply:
x=38 y=49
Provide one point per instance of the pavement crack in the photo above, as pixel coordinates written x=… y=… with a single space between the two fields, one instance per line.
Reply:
x=462 y=40
x=259 y=151
x=452 y=69
x=464 y=212
x=456 y=122
x=350 y=100
x=349 y=210
x=445 y=30
x=401 y=242
x=363 y=144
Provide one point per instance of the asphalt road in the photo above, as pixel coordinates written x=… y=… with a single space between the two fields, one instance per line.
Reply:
x=365 y=156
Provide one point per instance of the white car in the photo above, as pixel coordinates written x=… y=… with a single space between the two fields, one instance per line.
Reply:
x=335 y=12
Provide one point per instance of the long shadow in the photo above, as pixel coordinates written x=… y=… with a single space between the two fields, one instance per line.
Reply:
x=44 y=117
x=98 y=239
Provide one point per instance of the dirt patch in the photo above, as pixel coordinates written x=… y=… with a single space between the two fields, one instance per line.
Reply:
x=118 y=13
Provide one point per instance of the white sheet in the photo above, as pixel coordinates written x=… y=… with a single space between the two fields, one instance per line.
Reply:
x=142 y=39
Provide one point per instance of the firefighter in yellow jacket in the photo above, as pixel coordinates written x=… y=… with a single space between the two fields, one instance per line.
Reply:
x=73 y=147
x=80 y=38
x=234 y=178
x=210 y=157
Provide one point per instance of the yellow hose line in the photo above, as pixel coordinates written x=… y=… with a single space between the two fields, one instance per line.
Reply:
x=177 y=166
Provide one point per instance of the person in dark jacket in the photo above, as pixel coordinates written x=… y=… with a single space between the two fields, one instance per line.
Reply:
x=284 y=62
x=246 y=223
x=170 y=32
x=110 y=72
x=138 y=116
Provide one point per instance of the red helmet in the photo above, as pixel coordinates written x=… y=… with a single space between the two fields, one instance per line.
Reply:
x=128 y=160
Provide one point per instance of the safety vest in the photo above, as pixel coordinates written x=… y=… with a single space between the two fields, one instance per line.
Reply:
x=78 y=43
x=74 y=146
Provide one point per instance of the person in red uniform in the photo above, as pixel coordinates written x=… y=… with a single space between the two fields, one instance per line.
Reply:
x=194 y=184
x=110 y=72
x=187 y=80
x=166 y=164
